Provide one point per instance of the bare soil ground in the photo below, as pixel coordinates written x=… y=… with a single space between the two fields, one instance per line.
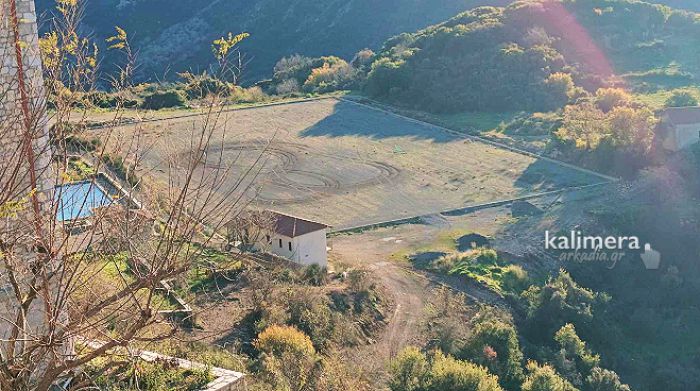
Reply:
x=347 y=165
x=383 y=251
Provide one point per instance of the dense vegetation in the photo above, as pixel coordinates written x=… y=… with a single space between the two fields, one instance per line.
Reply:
x=177 y=40
x=681 y=4
x=580 y=325
x=537 y=348
x=531 y=55
x=140 y=375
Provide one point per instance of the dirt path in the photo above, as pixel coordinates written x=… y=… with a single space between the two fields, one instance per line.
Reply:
x=409 y=291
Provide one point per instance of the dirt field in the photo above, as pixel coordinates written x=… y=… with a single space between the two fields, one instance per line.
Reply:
x=347 y=165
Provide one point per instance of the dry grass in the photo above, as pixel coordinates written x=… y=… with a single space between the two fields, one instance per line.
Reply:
x=347 y=165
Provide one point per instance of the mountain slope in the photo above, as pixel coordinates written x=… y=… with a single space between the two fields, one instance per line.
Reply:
x=175 y=35
x=690 y=5
x=514 y=57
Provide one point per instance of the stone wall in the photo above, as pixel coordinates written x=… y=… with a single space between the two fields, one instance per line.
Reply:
x=22 y=98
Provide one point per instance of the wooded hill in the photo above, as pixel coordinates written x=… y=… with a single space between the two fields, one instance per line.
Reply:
x=517 y=57
x=176 y=35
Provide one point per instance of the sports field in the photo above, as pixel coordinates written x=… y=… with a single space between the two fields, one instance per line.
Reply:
x=347 y=164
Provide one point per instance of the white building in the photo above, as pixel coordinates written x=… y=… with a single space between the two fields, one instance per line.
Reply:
x=681 y=126
x=299 y=240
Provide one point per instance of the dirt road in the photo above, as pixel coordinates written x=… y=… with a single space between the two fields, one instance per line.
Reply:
x=409 y=291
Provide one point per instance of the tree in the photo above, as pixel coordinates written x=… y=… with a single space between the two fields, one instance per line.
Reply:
x=330 y=76
x=294 y=67
x=604 y=380
x=608 y=98
x=574 y=359
x=681 y=99
x=545 y=378
x=71 y=299
x=287 y=357
x=560 y=301
x=447 y=373
x=362 y=59
x=494 y=344
x=412 y=371
x=409 y=370
x=559 y=89
x=620 y=138
x=632 y=129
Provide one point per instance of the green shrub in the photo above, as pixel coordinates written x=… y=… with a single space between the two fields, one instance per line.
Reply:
x=604 y=380
x=560 y=301
x=681 y=99
x=107 y=100
x=79 y=170
x=574 y=361
x=100 y=99
x=315 y=275
x=247 y=95
x=141 y=375
x=494 y=344
x=514 y=279
x=412 y=371
x=118 y=165
x=326 y=78
x=287 y=357
x=447 y=373
x=312 y=315
x=409 y=370
x=200 y=86
x=608 y=98
x=280 y=340
x=78 y=143
x=164 y=99
x=545 y=378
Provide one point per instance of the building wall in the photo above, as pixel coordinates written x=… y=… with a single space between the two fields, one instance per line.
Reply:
x=306 y=249
x=687 y=135
x=14 y=120
x=311 y=249
x=282 y=250
x=15 y=124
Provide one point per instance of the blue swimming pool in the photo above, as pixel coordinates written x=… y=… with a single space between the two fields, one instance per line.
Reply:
x=77 y=200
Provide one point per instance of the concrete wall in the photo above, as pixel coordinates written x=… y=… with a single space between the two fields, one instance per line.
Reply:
x=687 y=135
x=306 y=249
x=311 y=249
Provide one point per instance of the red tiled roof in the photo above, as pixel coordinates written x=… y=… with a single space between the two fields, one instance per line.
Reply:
x=682 y=115
x=291 y=226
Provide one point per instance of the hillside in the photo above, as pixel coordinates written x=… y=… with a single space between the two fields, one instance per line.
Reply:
x=175 y=35
x=494 y=58
x=691 y=5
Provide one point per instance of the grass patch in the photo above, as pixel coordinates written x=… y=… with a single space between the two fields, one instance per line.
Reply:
x=141 y=375
x=660 y=78
x=78 y=170
x=657 y=99
x=210 y=268
x=114 y=272
x=476 y=122
x=201 y=352
x=444 y=242
x=483 y=266
x=531 y=124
